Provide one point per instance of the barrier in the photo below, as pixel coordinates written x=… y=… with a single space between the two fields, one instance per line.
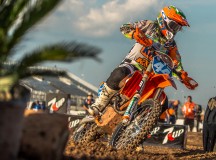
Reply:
x=73 y=121
x=167 y=135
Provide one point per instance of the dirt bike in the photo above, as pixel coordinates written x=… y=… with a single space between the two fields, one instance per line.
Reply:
x=133 y=112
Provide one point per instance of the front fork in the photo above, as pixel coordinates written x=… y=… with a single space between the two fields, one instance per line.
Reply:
x=134 y=101
x=158 y=93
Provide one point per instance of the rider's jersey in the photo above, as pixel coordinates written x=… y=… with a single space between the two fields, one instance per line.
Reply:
x=144 y=54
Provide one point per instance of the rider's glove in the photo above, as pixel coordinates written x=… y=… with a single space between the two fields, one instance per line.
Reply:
x=188 y=81
x=141 y=38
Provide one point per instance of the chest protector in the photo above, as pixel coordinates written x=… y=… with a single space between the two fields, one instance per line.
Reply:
x=142 y=54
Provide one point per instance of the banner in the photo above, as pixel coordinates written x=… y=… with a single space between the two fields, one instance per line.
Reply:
x=57 y=102
x=167 y=135
x=73 y=121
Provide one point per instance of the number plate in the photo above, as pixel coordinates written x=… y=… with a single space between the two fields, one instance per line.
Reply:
x=160 y=67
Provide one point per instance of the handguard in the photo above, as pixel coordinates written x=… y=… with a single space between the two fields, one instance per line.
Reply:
x=189 y=82
x=141 y=38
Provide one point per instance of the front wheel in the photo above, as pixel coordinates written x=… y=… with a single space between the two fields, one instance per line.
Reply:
x=129 y=136
x=85 y=133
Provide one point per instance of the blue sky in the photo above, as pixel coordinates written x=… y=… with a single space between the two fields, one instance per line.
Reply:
x=97 y=23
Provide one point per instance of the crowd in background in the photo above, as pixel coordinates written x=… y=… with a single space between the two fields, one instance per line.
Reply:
x=38 y=105
x=193 y=115
x=189 y=111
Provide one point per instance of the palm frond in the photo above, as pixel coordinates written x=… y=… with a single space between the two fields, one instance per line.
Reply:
x=64 y=52
x=35 y=13
x=9 y=13
x=2 y=2
x=29 y=14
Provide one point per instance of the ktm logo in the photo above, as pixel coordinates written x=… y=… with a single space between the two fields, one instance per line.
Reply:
x=55 y=105
x=171 y=136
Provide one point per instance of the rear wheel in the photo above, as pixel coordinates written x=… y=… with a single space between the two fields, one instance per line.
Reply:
x=131 y=135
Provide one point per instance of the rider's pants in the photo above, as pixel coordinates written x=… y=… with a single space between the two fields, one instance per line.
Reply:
x=118 y=74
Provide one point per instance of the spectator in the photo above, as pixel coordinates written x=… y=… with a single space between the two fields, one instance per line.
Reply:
x=43 y=105
x=188 y=111
x=165 y=116
x=88 y=102
x=209 y=126
x=174 y=105
x=37 y=106
x=198 y=109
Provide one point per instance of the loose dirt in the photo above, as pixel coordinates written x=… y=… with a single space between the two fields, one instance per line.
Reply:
x=100 y=150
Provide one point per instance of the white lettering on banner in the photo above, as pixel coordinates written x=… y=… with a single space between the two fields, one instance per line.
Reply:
x=177 y=133
x=168 y=130
x=155 y=130
x=55 y=105
x=171 y=135
x=73 y=124
x=51 y=102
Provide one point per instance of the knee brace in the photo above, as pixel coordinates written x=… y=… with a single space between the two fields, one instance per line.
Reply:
x=117 y=76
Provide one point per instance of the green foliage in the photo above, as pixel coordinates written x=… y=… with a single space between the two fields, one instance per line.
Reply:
x=17 y=17
x=64 y=51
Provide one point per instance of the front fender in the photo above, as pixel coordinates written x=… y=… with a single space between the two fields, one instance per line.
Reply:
x=163 y=81
x=156 y=81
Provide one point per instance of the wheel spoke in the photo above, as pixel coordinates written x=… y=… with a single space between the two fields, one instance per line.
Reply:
x=129 y=134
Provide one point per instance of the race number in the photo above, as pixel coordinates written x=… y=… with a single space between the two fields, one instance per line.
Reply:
x=160 y=67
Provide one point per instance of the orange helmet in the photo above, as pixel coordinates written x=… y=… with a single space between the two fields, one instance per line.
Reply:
x=171 y=19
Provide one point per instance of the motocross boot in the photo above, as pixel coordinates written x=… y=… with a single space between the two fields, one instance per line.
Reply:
x=103 y=99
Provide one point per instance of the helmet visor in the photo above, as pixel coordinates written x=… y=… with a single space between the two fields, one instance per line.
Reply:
x=173 y=26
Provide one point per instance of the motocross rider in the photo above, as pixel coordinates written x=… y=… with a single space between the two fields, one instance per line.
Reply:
x=150 y=36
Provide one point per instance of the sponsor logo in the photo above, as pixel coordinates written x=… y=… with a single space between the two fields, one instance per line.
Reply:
x=143 y=61
x=55 y=105
x=171 y=135
x=154 y=131
x=73 y=123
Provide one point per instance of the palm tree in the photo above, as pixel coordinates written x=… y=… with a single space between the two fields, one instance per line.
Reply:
x=17 y=17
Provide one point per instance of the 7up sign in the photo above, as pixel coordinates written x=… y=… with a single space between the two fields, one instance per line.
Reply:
x=171 y=135
x=167 y=135
x=57 y=102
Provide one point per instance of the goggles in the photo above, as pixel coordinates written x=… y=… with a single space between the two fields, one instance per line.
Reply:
x=172 y=25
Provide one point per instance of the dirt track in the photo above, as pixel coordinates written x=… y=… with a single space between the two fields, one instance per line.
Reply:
x=97 y=150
